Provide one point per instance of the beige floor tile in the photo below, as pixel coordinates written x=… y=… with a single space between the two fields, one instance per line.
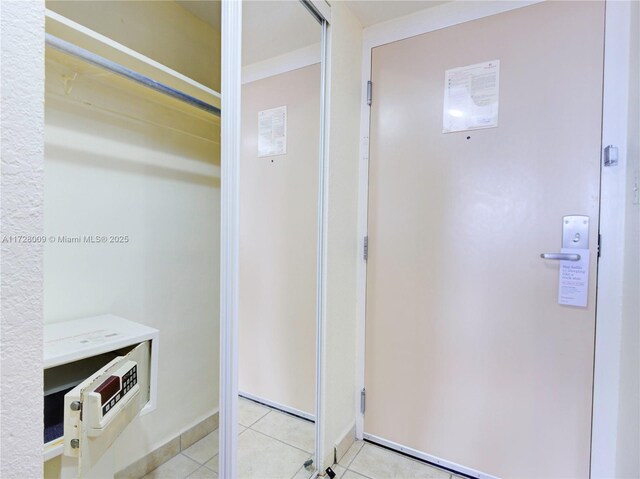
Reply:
x=339 y=470
x=297 y=432
x=262 y=457
x=213 y=464
x=351 y=453
x=303 y=473
x=179 y=467
x=203 y=473
x=249 y=412
x=353 y=475
x=378 y=463
x=204 y=449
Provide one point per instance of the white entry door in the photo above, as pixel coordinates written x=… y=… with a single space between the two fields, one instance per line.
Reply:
x=470 y=358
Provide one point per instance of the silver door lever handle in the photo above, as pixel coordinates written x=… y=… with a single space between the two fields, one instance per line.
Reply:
x=561 y=256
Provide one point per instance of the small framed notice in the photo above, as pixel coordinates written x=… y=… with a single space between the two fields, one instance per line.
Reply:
x=471 y=97
x=272 y=132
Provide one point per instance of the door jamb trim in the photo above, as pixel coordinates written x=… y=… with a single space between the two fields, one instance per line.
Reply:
x=609 y=303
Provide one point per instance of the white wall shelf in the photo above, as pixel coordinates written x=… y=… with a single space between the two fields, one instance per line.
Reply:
x=108 y=48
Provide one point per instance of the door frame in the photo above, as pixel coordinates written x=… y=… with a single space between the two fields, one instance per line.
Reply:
x=612 y=206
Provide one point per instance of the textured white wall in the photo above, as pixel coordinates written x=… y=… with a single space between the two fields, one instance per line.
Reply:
x=22 y=125
x=339 y=349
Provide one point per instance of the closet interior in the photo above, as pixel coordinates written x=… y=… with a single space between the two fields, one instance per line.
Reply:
x=132 y=216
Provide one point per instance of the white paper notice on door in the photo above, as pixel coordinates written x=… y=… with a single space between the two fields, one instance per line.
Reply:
x=573 y=287
x=471 y=97
x=272 y=132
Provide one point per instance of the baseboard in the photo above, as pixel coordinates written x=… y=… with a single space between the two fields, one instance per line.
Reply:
x=434 y=460
x=200 y=430
x=344 y=443
x=170 y=449
x=274 y=405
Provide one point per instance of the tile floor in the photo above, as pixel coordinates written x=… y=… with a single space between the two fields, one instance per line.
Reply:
x=274 y=445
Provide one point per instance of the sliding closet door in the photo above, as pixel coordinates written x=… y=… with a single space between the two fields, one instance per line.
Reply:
x=278 y=242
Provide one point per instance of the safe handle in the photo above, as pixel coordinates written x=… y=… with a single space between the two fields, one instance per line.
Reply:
x=561 y=256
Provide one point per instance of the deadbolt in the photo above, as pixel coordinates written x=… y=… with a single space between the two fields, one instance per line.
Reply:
x=575 y=232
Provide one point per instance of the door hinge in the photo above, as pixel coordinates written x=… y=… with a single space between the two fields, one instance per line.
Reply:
x=365 y=254
x=363 y=400
x=599 y=243
x=369 y=92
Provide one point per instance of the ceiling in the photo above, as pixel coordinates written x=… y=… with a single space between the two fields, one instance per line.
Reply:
x=266 y=21
x=271 y=28
x=370 y=12
x=207 y=10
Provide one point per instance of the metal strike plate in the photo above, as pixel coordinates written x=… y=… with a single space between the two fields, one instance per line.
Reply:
x=611 y=155
x=575 y=232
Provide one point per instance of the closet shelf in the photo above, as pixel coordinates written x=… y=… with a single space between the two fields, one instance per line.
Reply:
x=113 y=51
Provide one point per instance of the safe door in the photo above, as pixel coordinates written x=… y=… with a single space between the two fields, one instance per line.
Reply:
x=100 y=408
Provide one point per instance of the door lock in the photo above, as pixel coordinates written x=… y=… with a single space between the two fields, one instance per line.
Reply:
x=575 y=235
